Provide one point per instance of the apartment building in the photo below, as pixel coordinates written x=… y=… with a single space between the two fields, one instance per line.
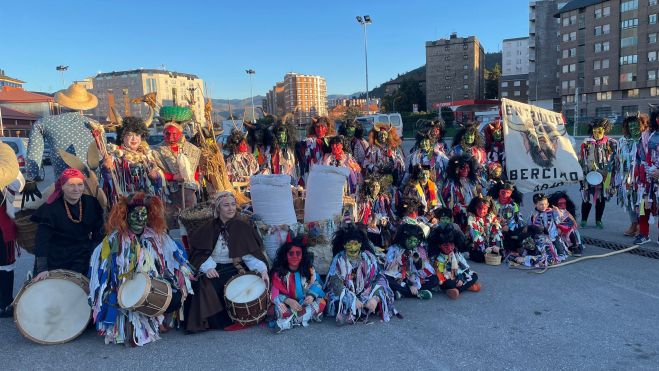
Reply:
x=544 y=52
x=513 y=83
x=454 y=70
x=608 y=58
x=274 y=100
x=9 y=81
x=172 y=88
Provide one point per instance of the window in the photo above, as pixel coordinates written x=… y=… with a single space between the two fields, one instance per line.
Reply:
x=627 y=41
x=598 y=13
x=573 y=83
x=629 y=23
x=652 y=75
x=605 y=47
x=597 y=81
x=517 y=83
x=628 y=59
x=605 y=95
x=465 y=67
x=652 y=18
x=598 y=31
x=564 y=85
x=597 y=64
x=465 y=77
x=565 y=53
x=573 y=51
x=447 y=58
x=447 y=67
x=652 y=2
x=627 y=77
x=628 y=5
x=606 y=11
x=606 y=29
x=598 y=47
x=573 y=67
x=565 y=68
x=447 y=77
x=605 y=80
x=654 y=91
x=465 y=57
x=447 y=87
x=504 y=84
x=631 y=93
x=517 y=93
x=569 y=99
x=566 y=37
x=465 y=46
x=605 y=63
x=465 y=87
x=447 y=47
x=652 y=56
x=629 y=110
x=652 y=38
x=504 y=94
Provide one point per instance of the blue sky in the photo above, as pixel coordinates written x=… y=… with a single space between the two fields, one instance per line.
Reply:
x=218 y=40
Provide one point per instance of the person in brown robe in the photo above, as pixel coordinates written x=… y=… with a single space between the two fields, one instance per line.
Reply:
x=223 y=247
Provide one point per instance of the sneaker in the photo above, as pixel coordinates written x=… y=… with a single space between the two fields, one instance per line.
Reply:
x=476 y=287
x=281 y=325
x=453 y=293
x=424 y=294
x=599 y=225
x=583 y=224
x=640 y=240
x=398 y=295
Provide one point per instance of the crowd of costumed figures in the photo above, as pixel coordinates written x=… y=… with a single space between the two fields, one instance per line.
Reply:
x=271 y=228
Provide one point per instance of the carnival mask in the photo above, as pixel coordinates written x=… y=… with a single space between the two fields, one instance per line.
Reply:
x=447 y=247
x=469 y=138
x=635 y=130
x=444 y=220
x=352 y=248
x=463 y=172
x=337 y=149
x=411 y=242
x=482 y=209
x=137 y=218
x=598 y=133
x=294 y=257
x=172 y=135
x=504 y=195
x=320 y=130
x=131 y=140
x=528 y=244
x=282 y=138
x=561 y=203
x=495 y=172
x=497 y=135
x=382 y=136
x=425 y=145
x=350 y=131
x=424 y=177
x=436 y=132
x=374 y=187
x=242 y=147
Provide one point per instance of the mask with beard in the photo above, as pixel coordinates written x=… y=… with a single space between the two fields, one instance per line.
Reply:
x=635 y=130
x=541 y=149
x=469 y=138
x=350 y=131
x=382 y=137
x=282 y=138
x=425 y=145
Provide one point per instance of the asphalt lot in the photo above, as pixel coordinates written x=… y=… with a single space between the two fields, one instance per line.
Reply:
x=595 y=314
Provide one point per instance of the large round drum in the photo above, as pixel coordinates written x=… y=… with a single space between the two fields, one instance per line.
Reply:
x=247 y=299
x=54 y=310
x=146 y=295
x=594 y=178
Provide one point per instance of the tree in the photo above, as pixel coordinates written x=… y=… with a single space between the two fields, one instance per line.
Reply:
x=408 y=94
x=351 y=113
x=492 y=82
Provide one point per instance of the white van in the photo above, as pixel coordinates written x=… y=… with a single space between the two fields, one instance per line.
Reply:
x=387 y=118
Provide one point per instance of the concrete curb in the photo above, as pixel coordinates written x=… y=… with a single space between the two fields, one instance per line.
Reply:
x=648 y=253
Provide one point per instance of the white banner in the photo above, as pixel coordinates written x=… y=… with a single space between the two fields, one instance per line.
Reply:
x=539 y=155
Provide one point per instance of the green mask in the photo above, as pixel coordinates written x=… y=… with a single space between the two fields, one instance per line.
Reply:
x=282 y=138
x=635 y=130
x=137 y=219
x=425 y=145
x=497 y=135
x=445 y=220
x=350 y=131
x=353 y=248
x=425 y=175
x=469 y=138
x=411 y=242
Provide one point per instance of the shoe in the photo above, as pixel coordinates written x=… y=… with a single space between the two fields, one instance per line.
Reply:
x=599 y=225
x=282 y=324
x=476 y=287
x=424 y=294
x=398 y=295
x=236 y=327
x=583 y=224
x=453 y=293
x=640 y=240
x=632 y=230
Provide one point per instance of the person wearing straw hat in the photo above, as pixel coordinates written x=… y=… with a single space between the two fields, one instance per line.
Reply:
x=69 y=132
x=11 y=182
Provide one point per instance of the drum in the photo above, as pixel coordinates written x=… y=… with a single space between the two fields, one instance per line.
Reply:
x=594 y=178
x=247 y=299
x=54 y=310
x=146 y=295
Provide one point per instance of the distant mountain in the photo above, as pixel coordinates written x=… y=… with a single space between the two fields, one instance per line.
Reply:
x=238 y=106
x=491 y=59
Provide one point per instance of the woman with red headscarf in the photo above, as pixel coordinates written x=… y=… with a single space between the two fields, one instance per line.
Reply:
x=70 y=225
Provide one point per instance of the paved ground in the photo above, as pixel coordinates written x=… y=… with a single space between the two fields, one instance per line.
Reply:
x=596 y=314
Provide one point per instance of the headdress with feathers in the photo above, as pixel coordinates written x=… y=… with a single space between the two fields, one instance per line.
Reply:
x=456 y=162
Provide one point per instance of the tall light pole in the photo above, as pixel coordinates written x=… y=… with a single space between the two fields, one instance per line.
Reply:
x=576 y=111
x=366 y=20
x=251 y=72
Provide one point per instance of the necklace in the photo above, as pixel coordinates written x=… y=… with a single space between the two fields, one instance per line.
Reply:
x=68 y=212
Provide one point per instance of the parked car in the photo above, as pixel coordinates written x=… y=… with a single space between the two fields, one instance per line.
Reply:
x=19 y=145
x=387 y=118
x=154 y=140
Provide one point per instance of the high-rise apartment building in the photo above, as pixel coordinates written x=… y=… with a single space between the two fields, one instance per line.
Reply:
x=9 y=81
x=609 y=53
x=454 y=70
x=305 y=95
x=274 y=100
x=513 y=83
x=172 y=88
x=544 y=54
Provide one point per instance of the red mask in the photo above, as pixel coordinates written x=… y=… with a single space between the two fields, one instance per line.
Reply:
x=446 y=247
x=504 y=195
x=294 y=257
x=242 y=147
x=413 y=214
x=337 y=149
x=320 y=130
x=561 y=203
x=482 y=210
x=172 y=135
x=464 y=171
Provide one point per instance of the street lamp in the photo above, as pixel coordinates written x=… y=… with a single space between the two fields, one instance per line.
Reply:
x=394 y=103
x=251 y=72
x=365 y=21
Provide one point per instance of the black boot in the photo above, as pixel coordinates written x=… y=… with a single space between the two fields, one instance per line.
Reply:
x=6 y=293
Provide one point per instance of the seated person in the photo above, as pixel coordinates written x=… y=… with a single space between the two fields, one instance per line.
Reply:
x=70 y=225
x=408 y=212
x=297 y=291
x=220 y=249
x=452 y=269
x=355 y=285
x=547 y=219
x=421 y=187
x=484 y=231
x=567 y=224
x=507 y=201
x=538 y=251
x=444 y=218
x=137 y=242
x=407 y=267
